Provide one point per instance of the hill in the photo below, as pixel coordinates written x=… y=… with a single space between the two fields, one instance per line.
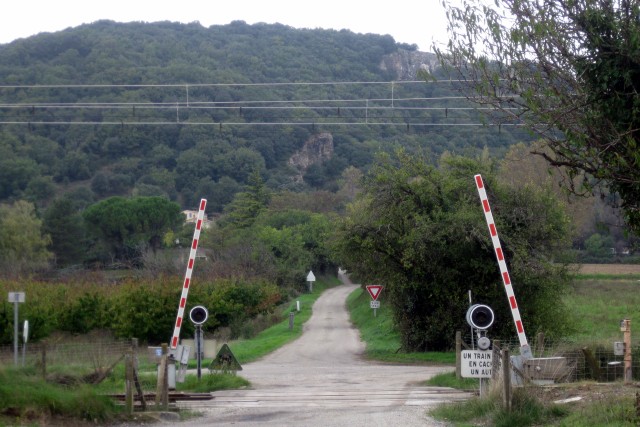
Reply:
x=186 y=112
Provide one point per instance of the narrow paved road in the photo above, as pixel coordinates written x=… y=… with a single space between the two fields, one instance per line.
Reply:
x=321 y=380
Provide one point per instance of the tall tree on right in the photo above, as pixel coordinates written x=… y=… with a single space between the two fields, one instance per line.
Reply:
x=567 y=70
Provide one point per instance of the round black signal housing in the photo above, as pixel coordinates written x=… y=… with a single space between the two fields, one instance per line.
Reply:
x=198 y=315
x=480 y=316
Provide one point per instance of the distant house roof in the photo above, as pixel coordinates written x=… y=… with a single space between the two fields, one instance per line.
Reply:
x=192 y=216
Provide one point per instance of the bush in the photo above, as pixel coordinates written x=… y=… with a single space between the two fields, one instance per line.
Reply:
x=135 y=308
x=421 y=232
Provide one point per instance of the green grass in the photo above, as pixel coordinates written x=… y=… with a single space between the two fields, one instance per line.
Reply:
x=598 y=306
x=212 y=382
x=612 y=411
x=24 y=396
x=278 y=335
x=606 y=276
x=449 y=379
x=527 y=410
x=381 y=338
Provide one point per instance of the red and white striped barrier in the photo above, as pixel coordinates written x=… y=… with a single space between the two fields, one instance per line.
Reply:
x=504 y=272
x=187 y=276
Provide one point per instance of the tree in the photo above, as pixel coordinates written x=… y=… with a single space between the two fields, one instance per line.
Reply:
x=23 y=246
x=129 y=225
x=247 y=205
x=420 y=231
x=64 y=223
x=569 y=71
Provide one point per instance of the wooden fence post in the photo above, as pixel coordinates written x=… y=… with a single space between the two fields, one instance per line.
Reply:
x=592 y=364
x=458 y=354
x=506 y=378
x=495 y=357
x=162 y=390
x=539 y=344
x=129 y=382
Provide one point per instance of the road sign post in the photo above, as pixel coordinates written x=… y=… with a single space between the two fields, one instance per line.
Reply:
x=374 y=291
x=16 y=298
x=198 y=316
x=310 y=279
x=25 y=337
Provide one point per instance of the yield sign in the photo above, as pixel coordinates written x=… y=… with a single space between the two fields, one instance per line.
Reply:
x=374 y=291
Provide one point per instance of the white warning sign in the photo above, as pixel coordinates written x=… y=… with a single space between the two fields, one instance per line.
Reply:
x=476 y=363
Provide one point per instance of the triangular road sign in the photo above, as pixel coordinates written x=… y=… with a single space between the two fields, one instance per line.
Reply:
x=374 y=291
x=225 y=361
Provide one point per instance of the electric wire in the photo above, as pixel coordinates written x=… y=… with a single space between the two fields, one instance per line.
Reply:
x=330 y=111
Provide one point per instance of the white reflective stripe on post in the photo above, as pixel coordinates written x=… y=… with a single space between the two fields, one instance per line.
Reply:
x=504 y=273
x=187 y=276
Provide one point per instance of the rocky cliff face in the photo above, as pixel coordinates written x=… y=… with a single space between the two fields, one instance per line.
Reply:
x=406 y=64
x=316 y=149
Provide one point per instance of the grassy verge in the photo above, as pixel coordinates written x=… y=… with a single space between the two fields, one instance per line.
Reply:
x=278 y=335
x=449 y=379
x=212 y=382
x=382 y=340
x=527 y=410
x=597 y=302
x=25 y=398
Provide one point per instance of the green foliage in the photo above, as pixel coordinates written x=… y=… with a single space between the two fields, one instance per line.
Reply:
x=281 y=244
x=185 y=162
x=84 y=314
x=247 y=205
x=145 y=310
x=598 y=246
x=420 y=231
x=567 y=70
x=129 y=225
x=22 y=243
x=381 y=335
x=29 y=395
x=63 y=222
x=134 y=308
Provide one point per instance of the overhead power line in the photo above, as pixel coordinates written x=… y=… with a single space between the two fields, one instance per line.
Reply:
x=402 y=105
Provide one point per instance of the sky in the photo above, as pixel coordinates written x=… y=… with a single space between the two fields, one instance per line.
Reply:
x=408 y=21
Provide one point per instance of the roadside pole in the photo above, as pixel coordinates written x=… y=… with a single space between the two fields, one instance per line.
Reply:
x=374 y=291
x=625 y=327
x=16 y=298
x=310 y=279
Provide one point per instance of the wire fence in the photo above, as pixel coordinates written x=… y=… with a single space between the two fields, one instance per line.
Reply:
x=567 y=361
x=139 y=376
x=100 y=362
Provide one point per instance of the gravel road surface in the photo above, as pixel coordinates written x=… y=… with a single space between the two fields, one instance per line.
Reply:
x=321 y=380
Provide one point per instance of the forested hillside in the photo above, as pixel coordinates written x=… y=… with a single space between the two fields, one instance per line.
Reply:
x=108 y=131
x=185 y=112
